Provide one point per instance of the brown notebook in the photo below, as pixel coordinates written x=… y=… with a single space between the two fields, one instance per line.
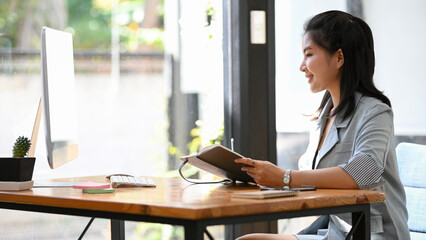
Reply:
x=219 y=160
x=265 y=194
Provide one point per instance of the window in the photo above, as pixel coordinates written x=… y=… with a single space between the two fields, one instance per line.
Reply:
x=144 y=81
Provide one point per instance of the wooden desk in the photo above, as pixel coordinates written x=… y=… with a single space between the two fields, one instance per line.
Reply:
x=195 y=207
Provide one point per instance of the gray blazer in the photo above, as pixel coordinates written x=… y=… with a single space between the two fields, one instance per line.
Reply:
x=363 y=145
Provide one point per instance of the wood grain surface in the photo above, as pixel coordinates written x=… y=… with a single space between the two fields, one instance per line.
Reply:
x=177 y=198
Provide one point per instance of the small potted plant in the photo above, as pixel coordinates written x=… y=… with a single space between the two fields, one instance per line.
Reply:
x=19 y=167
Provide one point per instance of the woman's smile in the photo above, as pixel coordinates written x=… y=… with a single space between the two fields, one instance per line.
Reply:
x=310 y=77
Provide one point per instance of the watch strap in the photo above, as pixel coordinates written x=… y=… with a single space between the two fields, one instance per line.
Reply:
x=286 y=178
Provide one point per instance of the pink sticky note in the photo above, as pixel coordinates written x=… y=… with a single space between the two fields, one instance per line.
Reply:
x=93 y=185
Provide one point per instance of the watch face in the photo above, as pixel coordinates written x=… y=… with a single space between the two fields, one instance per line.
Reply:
x=286 y=179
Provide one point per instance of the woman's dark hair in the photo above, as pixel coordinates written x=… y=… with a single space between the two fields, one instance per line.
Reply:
x=334 y=30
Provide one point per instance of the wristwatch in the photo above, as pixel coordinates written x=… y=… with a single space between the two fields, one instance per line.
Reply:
x=286 y=178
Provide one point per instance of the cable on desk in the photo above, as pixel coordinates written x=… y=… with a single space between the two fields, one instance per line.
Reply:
x=86 y=228
x=196 y=182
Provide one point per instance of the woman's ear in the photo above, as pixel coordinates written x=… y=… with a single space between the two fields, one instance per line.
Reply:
x=340 y=58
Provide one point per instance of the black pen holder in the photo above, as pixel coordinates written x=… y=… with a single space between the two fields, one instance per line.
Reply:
x=16 y=169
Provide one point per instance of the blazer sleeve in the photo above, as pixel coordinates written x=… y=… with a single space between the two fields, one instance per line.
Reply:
x=371 y=145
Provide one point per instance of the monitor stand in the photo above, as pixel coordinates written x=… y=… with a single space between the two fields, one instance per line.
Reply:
x=34 y=135
x=27 y=185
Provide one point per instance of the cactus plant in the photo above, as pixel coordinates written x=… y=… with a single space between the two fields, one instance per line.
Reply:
x=21 y=147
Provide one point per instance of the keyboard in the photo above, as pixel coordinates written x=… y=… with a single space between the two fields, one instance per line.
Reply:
x=131 y=181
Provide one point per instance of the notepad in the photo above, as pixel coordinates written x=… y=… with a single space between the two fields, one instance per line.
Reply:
x=265 y=194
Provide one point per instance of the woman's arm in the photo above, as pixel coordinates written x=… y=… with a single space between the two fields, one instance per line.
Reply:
x=268 y=174
x=333 y=177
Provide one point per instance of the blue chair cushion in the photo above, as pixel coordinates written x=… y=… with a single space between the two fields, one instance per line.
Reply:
x=412 y=164
x=416 y=206
x=412 y=169
x=417 y=236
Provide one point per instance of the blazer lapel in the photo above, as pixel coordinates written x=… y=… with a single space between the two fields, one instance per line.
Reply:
x=331 y=140
x=333 y=135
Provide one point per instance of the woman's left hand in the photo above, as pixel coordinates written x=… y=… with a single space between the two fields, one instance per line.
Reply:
x=263 y=172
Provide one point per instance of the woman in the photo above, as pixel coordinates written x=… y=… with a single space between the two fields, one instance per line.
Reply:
x=353 y=146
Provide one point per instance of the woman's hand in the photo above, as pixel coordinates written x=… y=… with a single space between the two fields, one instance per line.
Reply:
x=269 y=175
x=263 y=172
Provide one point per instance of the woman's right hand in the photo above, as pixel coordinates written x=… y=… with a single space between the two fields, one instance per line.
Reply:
x=263 y=172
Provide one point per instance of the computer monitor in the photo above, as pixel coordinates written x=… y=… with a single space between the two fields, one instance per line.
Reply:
x=57 y=68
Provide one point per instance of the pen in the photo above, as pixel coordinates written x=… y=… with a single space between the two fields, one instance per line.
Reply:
x=232 y=144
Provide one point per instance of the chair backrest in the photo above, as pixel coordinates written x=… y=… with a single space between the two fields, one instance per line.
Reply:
x=412 y=169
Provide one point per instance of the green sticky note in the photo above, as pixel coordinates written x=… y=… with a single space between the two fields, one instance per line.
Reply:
x=104 y=190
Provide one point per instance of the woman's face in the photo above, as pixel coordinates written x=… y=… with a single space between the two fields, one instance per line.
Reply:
x=321 y=69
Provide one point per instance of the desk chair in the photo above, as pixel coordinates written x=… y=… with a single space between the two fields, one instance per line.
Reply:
x=412 y=169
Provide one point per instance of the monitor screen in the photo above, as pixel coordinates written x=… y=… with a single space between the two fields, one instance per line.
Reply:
x=57 y=67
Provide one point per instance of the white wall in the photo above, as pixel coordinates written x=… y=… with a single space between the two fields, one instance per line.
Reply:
x=399 y=29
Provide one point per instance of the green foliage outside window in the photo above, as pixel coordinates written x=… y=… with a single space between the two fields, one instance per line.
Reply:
x=139 y=25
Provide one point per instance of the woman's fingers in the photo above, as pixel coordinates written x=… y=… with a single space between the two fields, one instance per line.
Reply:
x=247 y=169
x=247 y=161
